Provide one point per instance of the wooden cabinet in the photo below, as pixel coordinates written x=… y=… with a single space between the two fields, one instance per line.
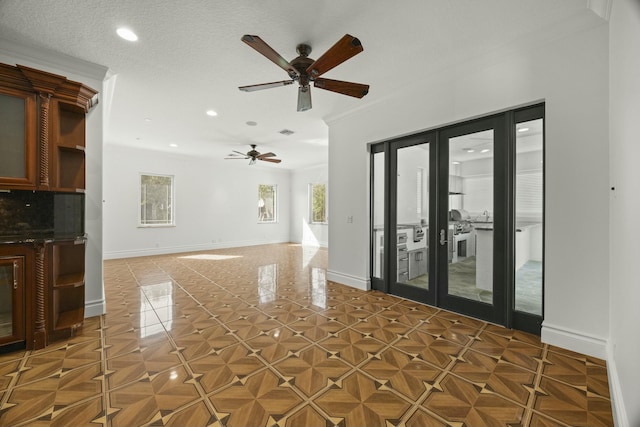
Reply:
x=42 y=151
x=66 y=284
x=42 y=131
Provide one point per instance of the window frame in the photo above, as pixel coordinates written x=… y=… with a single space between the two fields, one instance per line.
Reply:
x=275 y=204
x=310 y=207
x=172 y=212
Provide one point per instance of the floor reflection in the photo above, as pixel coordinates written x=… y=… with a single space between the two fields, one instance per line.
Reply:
x=156 y=303
x=318 y=284
x=267 y=282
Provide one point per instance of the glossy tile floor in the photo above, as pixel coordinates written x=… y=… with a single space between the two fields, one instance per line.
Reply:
x=257 y=337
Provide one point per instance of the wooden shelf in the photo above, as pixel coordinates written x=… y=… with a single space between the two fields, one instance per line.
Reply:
x=68 y=307
x=71 y=126
x=70 y=168
x=73 y=280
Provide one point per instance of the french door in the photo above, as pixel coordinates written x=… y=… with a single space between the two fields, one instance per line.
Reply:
x=446 y=222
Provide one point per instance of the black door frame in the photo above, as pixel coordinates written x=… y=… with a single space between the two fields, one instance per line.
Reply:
x=496 y=311
x=503 y=309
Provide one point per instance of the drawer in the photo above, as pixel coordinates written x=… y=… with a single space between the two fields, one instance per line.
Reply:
x=402 y=237
x=403 y=264
x=403 y=277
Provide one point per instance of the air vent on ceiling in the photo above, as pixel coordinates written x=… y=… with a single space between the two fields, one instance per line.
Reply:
x=286 y=132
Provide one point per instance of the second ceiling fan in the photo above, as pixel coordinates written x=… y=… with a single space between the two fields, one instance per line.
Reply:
x=305 y=70
x=254 y=155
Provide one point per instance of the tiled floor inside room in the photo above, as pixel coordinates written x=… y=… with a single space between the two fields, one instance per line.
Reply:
x=256 y=336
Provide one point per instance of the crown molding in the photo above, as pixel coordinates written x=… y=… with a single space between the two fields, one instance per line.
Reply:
x=602 y=8
x=66 y=63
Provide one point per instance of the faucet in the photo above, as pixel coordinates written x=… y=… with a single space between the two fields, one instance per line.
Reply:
x=485 y=214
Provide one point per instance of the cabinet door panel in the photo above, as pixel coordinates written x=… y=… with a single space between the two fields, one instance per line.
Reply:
x=17 y=139
x=11 y=300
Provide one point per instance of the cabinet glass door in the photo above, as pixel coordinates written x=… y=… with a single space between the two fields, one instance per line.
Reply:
x=17 y=139
x=11 y=300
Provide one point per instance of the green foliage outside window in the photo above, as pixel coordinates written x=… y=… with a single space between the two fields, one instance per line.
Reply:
x=156 y=200
x=266 y=203
x=318 y=203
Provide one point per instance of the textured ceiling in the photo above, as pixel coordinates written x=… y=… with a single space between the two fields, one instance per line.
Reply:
x=189 y=58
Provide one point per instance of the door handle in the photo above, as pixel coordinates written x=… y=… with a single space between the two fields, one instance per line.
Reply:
x=443 y=240
x=15 y=274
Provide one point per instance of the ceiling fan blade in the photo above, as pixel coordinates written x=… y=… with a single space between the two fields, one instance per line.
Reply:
x=357 y=90
x=269 y=154
x=237 y=152
x=259 y=45
x=253 y=88
x=270 y=160
x=236 y=158
x=304 y=98
x=347 y=47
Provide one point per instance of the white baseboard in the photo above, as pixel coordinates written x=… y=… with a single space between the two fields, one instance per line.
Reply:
x=620 y=418
x=95 y=308
x=132 y=253
x=574 y=340
x=349 y=280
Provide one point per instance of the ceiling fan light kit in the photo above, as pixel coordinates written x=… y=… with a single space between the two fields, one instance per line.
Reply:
x=305 y=70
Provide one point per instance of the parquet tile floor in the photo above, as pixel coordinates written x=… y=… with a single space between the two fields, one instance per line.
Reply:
x=256 y=336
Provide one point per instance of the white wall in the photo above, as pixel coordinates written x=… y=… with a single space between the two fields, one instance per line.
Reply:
x=92 y=75
x=216 y=203
x=624 y=45
x=301 y=231
x=571 y=74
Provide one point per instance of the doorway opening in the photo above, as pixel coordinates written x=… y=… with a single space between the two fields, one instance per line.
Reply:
x=457 y=217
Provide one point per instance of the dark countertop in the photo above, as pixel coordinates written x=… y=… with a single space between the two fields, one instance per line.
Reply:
x=17 y=239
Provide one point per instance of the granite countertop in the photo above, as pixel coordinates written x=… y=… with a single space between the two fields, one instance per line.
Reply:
x=488 y=226
x=39 y=238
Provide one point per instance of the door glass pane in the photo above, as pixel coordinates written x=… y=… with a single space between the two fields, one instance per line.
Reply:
x=470 y=231
x=378 y=214
x=12 y=137
x=529 y=197
x=413 y=215
x=6 y=299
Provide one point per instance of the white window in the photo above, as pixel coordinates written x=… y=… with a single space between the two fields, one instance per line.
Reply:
x=267 y=203
x=156 y=200
x=318 y=204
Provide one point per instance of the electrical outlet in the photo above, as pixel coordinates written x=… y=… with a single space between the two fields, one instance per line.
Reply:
x=350 y=219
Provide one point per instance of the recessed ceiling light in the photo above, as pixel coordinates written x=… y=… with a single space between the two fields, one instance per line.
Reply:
x=455 y=163
x=523 y=129
x=211 y=113
x=173 y=145
x=486 y=150
x=469 y=150
x=287 y=132
x=147 y=119
x=127 y=34
x=251 y=123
